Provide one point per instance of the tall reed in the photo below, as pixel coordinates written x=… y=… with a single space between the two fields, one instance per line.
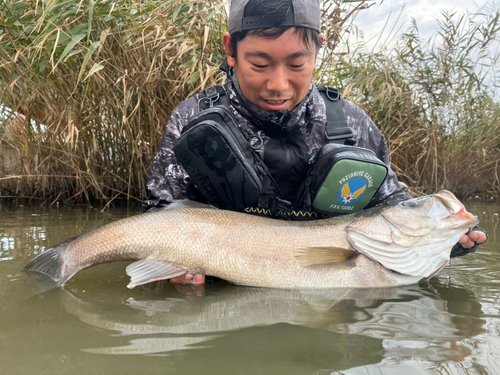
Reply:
x=96 y=82
x=435 y=100
x=91 y=84
x=87 y=88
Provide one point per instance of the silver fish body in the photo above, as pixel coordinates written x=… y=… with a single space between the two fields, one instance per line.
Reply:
x=380 y=247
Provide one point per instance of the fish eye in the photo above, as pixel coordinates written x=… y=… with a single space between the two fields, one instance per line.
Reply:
x=410 y=204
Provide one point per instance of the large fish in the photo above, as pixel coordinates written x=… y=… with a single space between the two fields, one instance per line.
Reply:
x=380 y=247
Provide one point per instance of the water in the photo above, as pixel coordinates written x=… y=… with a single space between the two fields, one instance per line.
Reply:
x=95 y=325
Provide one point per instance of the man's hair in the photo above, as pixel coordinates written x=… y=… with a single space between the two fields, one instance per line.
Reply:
x=279 y=10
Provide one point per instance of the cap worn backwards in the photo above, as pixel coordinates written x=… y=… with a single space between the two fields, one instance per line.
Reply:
x=306 y=13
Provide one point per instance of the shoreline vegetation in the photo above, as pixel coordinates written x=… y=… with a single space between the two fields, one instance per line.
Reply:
x=86 y=90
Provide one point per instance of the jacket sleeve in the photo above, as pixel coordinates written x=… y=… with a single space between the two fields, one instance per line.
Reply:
x=168 y=180
x=369 y=136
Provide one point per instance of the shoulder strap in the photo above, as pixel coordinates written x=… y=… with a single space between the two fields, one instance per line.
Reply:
x=224 y=66
x=213 y=95
x=216 y=96
x=336 y=130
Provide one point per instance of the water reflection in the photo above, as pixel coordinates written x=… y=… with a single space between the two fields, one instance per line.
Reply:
x=96 y=325
x=428 y=322
x=248 y=327
x=226 y=308
x=431 y=327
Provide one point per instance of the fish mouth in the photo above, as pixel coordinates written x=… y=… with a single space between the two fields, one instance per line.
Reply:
x=455 y=207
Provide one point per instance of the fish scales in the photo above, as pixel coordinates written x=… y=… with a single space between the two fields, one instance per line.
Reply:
x=219 y=243
x=259 y=251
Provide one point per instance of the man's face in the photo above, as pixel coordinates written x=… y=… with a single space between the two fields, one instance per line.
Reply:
x=274 y=74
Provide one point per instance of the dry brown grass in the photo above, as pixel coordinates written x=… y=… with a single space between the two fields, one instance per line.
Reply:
x=97 y=85
x=436 y=102
x=96 y=108
x=95 y=135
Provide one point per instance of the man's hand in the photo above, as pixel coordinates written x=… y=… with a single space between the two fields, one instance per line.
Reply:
x=189 y=278
x=470 y=240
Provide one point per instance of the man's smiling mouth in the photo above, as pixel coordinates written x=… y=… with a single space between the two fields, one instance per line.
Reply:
x=276 y=101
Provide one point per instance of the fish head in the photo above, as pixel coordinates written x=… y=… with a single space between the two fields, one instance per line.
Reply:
x=414 y=236
x=431 y=218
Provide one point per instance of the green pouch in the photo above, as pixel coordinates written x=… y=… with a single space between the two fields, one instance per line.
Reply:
x=344 y=179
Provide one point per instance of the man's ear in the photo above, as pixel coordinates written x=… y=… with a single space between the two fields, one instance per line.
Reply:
x=229 y=49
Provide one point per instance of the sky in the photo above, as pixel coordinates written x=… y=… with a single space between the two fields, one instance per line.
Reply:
x=371 y=21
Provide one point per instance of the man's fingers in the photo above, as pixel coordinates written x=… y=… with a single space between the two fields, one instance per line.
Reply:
x=199 y=279
x=189 y=278
x=463 y=239
x=477 y=237
x=184 y=279
x=466 y=242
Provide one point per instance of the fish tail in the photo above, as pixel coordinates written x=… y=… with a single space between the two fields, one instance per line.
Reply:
x=48 y=268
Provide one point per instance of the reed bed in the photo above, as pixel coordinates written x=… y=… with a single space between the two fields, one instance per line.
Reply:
x=87 y=89
x=91 y=85
x=435 y=100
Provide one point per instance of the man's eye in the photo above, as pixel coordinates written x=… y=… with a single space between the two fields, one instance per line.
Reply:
x=259 y=66
x=297 y=66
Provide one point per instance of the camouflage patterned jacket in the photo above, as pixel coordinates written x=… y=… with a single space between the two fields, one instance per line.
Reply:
x=291 y=142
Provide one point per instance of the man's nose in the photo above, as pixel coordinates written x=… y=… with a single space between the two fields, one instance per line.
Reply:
x=278 y=81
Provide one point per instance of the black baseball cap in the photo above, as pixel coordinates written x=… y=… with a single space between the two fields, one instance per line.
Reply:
x=306 y=13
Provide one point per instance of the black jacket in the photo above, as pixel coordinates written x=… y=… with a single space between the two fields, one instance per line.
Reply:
x=291 y=142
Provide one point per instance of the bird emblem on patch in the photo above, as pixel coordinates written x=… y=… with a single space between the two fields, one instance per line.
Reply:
x=352 y=191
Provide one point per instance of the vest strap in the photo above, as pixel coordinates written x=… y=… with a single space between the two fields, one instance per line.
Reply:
x=336 y=130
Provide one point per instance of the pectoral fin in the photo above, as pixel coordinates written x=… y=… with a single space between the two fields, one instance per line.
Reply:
x=146 y=271
x=323 y=256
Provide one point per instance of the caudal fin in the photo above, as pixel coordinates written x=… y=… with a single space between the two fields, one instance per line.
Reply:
x=48 y=268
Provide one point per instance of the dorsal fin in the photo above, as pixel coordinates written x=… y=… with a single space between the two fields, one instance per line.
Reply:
x=323 y=256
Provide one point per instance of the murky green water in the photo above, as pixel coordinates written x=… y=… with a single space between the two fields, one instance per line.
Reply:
x=95 y=325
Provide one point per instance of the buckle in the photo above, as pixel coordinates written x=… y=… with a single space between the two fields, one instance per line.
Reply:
x=283 y=205
x=211 y=95
x=213 y=99
x=339 y=133
x=275 y=204
x=332 y=93
x=210 y=99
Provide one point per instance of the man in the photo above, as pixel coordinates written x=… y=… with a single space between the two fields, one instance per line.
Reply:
x=271 y=50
